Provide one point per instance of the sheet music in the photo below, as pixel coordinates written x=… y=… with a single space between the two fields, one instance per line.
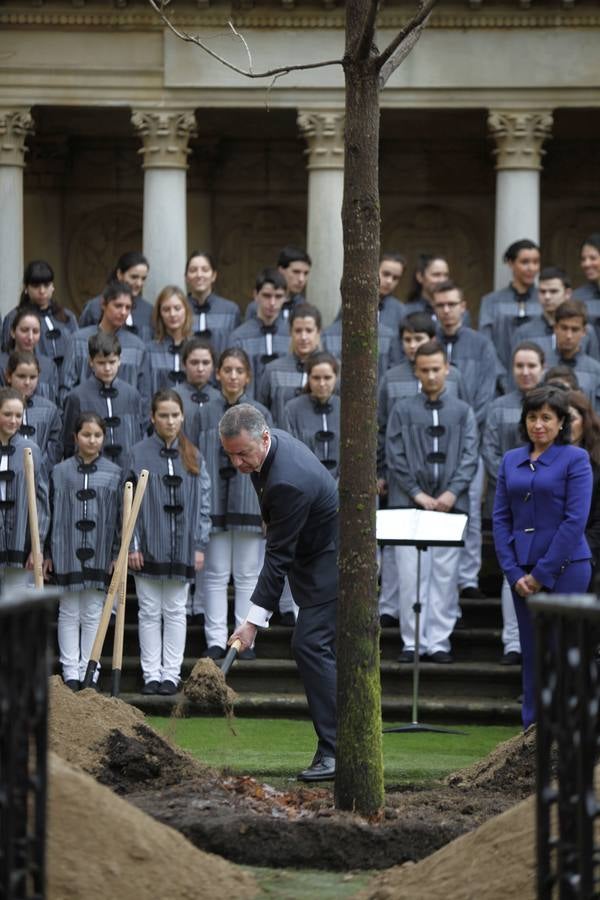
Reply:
x=421 y=526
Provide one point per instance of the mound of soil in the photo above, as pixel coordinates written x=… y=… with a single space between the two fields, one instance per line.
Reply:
x=100 y=845
x=510 y=767
x=496 y=861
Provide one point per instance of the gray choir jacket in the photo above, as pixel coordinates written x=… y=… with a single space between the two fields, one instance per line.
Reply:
x=475 y=358
x=299 y=504
x=120 y=406
x=541 y=332
x=194 y=399
x=174 y=518
x=305 y=419
x=331 y=340
x=42 y=425
x=15 y=544
x=500 y=434
x=141 y=315
x=282 y=380
x=233 y=499
x=419 y=458
x=215 y=319
x=263 y=343
x=85 y=503
x=133 y=368
x=164 y=365
x=501 y=313
x=586 y=370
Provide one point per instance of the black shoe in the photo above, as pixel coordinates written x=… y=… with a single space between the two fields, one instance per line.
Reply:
x=512 y=658
x=322 y=768
x=472 y=593
x=168 y=688
x=386 y=621
x=214 y=652
x=73 y=685
x=151 y=687
x=287 y=619
x=440 y=656
x=248 y=653
x=407 y=656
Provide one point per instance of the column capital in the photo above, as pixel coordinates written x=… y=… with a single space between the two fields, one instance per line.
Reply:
x=15 y=125
x=323 y=131
x=519 y=135
x=165 y=136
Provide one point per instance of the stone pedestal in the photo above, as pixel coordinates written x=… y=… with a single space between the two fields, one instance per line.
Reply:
x=15 y=125
x=324 y=134
x=519 y=136
x=165 y=137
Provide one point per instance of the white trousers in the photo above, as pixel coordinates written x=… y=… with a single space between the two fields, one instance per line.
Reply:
x=439 y=590
x=229 y=553
x=470 y=555
x=14 y=578
x=510 y=627
x=78 y=619
x=161 y=626
x=389 y=597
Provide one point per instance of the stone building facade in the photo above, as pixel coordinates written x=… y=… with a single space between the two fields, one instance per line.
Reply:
x=116 y=135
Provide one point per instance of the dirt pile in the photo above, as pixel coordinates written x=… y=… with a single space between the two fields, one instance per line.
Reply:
x=510 y=767
x=101 y=846
x=496 y=861
x=206 y=687
x=108 y=739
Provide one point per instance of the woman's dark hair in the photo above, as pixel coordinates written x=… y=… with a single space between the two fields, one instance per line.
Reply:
x=22 y=313
x=592 y=240
x=207 y=256
x=557 y=399
x=318 y=358
x=533 y=347
x=126 y=261
x=590 y=437
x=21 y=358
x=515 y=248
x=38 y=271
x=190 y=455
x=197 y=343
x=561 y=376
x=89 y=416
x=424 y=260
x=236 y=353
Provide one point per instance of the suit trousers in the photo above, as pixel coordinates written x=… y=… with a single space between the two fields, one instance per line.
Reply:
x=313 y=646
x=574 y=580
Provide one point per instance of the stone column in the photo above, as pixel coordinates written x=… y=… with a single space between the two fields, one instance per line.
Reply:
x=519 y=136
x=15 y=125
x=165 y=136
x=323 y=131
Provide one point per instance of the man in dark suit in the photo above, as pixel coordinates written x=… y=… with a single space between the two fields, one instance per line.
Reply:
x=299 y=505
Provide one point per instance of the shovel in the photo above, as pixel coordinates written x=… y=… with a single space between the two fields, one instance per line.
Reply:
x=230 y=657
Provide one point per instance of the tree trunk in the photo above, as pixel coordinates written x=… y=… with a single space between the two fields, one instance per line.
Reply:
x=359 y=776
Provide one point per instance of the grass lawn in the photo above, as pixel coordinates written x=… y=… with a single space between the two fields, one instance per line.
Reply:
x=279 y=748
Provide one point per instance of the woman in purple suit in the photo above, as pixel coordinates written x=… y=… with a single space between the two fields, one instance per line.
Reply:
x=540 y=513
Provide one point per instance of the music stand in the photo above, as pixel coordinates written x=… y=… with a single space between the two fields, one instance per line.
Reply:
x=420 y=528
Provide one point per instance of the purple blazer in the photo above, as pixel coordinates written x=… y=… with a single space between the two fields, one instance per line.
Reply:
x=540 y=512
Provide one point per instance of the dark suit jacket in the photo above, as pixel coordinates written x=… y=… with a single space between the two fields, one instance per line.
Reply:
x=540 y=514
x=299 y=505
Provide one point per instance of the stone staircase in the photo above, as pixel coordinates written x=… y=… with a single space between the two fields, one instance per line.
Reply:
x=476 y=688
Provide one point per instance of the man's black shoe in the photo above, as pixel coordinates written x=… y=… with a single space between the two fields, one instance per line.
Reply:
x=407 y=656
x=322 y=768
x=472 y=593
x=386 y=621
x=287 y=620
x=151 y=687
x=214 y=652
x=512 y=658
x=440 y=656
x=168 y=688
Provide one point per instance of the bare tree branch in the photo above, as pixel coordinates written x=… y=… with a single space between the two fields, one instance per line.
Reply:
x=159 y=7
x=364 y=44
x=407 y=37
